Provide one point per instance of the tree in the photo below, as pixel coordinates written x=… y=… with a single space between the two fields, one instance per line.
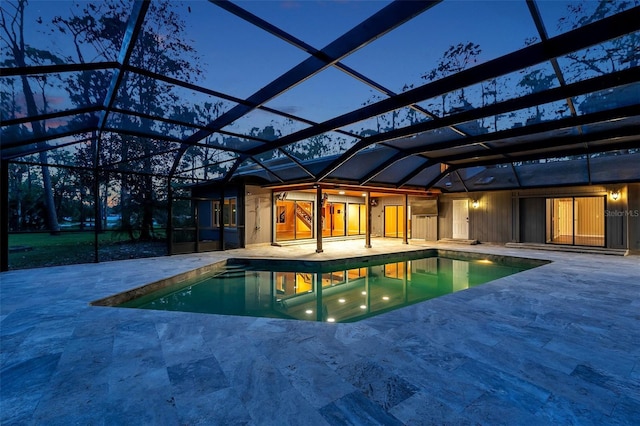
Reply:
x=391 y=120
x=268 y=133
x=603 y=58
x=19 y=54
x=489 y=96
x=537 y=81
x=620 y=53
x=455 y=59
x=97 y=29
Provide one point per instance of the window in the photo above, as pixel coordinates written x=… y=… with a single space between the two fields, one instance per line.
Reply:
x=292 y=283
x=215 y=212
x=229 y=213
x=397 y=270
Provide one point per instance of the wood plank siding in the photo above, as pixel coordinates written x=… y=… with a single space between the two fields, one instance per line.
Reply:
x=520 y=216
x=532 y=220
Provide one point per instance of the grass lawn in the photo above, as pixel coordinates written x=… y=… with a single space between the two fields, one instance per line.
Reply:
x=33 y=250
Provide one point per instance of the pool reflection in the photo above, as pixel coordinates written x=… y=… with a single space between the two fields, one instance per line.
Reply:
x=338 y=296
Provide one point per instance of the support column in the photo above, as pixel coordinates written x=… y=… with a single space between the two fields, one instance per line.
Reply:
x=274 y=219
x=169 y=217
x=405 y=281
x=240 y=218
x=196 y=217
x=318 y=219
x=97 y=215
x=367 y=237
x=633 y=219
x=4 y=216
x=319 y=306
x=221 y=219
x=405 y=238
x=367 y=290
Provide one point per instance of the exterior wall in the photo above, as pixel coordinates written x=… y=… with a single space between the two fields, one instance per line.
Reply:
x=532 y=221
x=445 y=215
x=520 y=216
x=233 y=236
x=205 y=222
x=501 y=216
x=258 y=215
x=633 y=193
x=491 y=220
x=377 y=219
x=617 y=220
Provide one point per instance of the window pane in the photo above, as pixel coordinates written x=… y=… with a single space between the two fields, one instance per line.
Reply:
x=353 y=217
x=589 y=221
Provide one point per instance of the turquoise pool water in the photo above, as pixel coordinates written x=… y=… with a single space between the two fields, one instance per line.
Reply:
x=329 y=292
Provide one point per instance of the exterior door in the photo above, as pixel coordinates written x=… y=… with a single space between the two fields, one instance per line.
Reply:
x=333 y=220
x=460 y=273
x=294 y=220
x=461 y=219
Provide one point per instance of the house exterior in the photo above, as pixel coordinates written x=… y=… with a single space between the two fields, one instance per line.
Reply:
x=583 y=216
x=529 y=138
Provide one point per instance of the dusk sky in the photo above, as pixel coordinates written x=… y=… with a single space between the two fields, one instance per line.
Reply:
x=239 y=59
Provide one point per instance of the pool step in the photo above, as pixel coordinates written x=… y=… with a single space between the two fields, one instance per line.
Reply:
x=234 y=266
x=235 y=273
x=459 y=241
x=566 y=248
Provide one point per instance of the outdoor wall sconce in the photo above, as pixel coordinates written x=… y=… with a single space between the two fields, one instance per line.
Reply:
x=615 y=195
x=475 y=204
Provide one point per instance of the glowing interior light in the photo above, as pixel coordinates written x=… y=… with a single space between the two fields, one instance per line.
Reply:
x=341 y=192
x=385 y=297
x=364 y=293
x=308 y=312
x=331 y=320
x=363 y=306
x=341 y=300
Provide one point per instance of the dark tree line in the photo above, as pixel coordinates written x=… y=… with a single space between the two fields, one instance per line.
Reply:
x=112 y=167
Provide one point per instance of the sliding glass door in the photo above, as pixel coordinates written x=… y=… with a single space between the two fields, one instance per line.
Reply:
x=294 y=220
x=576 y=221
x=394 y=221
x=333 y=220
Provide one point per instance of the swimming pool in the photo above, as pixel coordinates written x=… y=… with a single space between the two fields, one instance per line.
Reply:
x=345 y=290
